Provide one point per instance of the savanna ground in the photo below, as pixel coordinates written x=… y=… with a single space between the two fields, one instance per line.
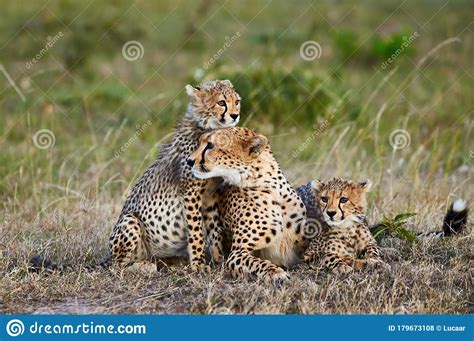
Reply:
x=337 y=114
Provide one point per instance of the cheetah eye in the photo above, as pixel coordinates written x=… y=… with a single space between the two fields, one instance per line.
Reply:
x=343 y=200
x=324 y=199
x=221 y=103
x=237 y=102
x=210 y=145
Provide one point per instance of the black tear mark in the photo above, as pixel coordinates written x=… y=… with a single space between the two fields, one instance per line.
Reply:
x=223 y=114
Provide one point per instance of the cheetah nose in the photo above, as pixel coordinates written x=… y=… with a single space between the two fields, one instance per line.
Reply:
x=331 y=214
x=234 y=116
x=190 y=162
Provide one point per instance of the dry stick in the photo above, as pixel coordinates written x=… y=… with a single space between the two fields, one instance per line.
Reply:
x=65 y=189
x=436 y=48
x=376 y=140
x=376 y=90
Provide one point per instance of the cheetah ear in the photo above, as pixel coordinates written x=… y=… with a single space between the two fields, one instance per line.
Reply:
x=316 y=184
x=257 y=144
x=365 y=185
x=191 y=90
x=226 y=82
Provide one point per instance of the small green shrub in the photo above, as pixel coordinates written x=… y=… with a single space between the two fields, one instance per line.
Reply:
x=346 y=44
x=398 y=43
x=395 y=227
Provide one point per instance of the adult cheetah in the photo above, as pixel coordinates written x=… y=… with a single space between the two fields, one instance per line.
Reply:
x=162 y=214
x=256 y=203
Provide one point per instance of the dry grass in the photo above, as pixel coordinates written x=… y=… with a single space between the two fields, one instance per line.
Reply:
x=436 y=283
x=431 y=277
x=62 y=201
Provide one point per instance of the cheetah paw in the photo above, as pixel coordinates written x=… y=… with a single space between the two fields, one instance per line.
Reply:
x=277 y=276
x=200 y=267
x=309 y=258
x=217 y=256
x=218 y=259
x=343 y=269
x=377 y=263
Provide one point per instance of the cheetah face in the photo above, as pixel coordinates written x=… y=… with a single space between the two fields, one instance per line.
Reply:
x=231 y=153
x=341 y=202
x=215 y=104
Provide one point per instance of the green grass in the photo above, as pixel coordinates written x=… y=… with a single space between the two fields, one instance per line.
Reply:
x=326 y=117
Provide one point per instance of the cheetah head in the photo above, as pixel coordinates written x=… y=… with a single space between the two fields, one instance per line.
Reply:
x=238 y=155
x=341 y=202
x=214 y=104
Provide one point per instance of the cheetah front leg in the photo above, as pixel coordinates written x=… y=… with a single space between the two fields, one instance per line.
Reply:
x=336 y=263
x=216 y=243
x=242 y=263
x=312 y=253
x=128 y=245
x=193 y=205
x=214 y=228
x=353 y=262
x=335 y=259
x=248 y=239
x=370 y=249
x=371 y=257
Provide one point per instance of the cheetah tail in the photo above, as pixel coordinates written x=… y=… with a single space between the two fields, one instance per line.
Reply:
x=39 y=264
x=455 y=221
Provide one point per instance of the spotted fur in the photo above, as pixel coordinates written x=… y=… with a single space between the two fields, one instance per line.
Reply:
x=454 y=222
x=162 y=214
x=256 y=205
x=341 y=206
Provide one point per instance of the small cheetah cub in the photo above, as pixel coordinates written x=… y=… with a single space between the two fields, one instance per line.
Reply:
x=346 y=235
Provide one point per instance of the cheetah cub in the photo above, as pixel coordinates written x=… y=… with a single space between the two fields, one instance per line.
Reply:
x=162 y=214
x=345 y=235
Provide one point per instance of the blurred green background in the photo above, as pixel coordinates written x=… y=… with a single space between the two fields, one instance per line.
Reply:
x=330 y=115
